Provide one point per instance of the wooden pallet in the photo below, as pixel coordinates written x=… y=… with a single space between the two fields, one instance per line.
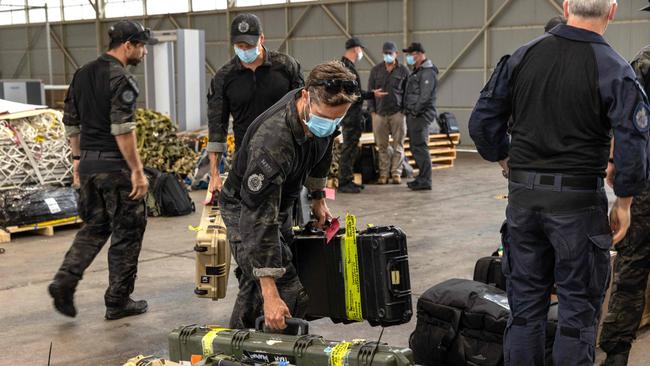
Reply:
x=42 y=228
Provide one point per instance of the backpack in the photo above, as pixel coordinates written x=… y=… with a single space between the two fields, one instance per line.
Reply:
x=171 y=196
x=448 y=123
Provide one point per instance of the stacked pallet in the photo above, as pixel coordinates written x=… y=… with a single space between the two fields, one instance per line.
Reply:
x=442 y=148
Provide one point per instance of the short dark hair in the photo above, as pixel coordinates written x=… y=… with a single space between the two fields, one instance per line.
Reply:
x=332 y=70
x=117 y=43
x=553 y=22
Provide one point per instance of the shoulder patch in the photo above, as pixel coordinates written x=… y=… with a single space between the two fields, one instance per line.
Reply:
x=641 y=115
x=127 y=96
x=255 y=182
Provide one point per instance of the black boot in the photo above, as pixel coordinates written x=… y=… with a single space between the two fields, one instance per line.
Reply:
x=131 y=307
x=616 y=359
x=63 y=299
x=349 y=188
x=62 y=291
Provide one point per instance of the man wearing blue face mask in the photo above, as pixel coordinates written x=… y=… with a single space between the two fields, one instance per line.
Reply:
x=387 y=117
x=420 y=110
x=246 y=86
x=287 y=147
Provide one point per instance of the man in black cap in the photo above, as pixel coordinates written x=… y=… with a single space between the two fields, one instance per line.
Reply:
x=353 y=123
x=387 y=117
x=632 y=262
x=99 y=121
x=246 y=86
x=420 y=110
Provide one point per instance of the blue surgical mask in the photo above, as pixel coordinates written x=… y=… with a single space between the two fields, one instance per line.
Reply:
x=321 y=126
x=247 y=56
x=410 y=60
x=389 y=59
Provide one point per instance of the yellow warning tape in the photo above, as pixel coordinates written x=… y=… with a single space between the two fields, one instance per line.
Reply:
x=195 y=229
x=339 y=353
x=208 y=338
x=51 y=222
x=351 y=273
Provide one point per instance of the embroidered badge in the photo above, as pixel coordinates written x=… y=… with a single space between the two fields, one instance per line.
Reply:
x=641 y=116
x=243 y=27
x=255 y=182
x=128 y=96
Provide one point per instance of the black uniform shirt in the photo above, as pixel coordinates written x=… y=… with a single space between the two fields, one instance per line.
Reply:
x=100 y=104
x=565 y=91
x=353 y=117
x=275 y=160
x=246 y=94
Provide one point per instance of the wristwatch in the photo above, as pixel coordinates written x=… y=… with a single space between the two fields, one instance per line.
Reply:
x=317 y=195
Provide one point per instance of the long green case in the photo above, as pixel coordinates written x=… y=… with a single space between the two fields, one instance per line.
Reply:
x=193 y=342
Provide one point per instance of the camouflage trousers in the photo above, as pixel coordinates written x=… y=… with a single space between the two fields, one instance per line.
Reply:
x=107 y=211
x=631 y=269
x=249 y=303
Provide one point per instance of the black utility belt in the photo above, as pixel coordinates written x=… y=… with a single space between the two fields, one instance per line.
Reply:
x=101 y=155
x=556 y=182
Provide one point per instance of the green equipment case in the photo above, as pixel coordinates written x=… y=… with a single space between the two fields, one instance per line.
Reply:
x=191 y=344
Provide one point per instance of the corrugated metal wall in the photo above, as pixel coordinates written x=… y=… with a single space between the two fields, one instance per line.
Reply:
x=445 y=27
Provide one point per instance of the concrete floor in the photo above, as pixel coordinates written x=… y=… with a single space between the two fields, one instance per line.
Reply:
x=448 y=229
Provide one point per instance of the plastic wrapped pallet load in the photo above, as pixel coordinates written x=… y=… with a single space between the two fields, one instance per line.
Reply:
x=33 y=149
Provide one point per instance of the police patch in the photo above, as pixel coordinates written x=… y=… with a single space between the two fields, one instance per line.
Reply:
x=243 y=27
x=255 y=182
x=641 y=115
x=128 y=96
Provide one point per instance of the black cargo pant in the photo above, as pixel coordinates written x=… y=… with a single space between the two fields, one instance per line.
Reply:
x=631 y=269
x=249 y=303
x=107 y=211
x=562 y=238
x=417 y=129
x=349 y=152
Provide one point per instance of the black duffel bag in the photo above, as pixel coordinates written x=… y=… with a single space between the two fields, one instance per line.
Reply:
x=460 y=322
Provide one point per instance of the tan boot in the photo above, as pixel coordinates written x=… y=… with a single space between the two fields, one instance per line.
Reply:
x=397 y=179
x=382 y=180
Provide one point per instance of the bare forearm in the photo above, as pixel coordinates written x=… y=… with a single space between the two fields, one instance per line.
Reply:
x=215 y=158
x=128 y=147
x=75 y=144
x=269 y=289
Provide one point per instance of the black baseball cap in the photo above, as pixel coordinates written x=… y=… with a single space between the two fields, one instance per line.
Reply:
x=353 y=42
x=129 y=31
x=647 y=8
x=246 y=28
x=414 y=47
x=389 y=47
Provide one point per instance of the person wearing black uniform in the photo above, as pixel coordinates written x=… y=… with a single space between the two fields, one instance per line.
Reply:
x=353 y=124
x=246 y=86
x=565 y=92
x=287 y=147
x=100 y=124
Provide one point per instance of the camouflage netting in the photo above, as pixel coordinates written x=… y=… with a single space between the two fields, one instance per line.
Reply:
x=159 y=146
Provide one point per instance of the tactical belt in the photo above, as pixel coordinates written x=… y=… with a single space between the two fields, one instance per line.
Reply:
x=556 y=182
x=101 y=155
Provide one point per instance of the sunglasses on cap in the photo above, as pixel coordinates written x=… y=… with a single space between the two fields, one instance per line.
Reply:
x=141 y=37
x=336 y=85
